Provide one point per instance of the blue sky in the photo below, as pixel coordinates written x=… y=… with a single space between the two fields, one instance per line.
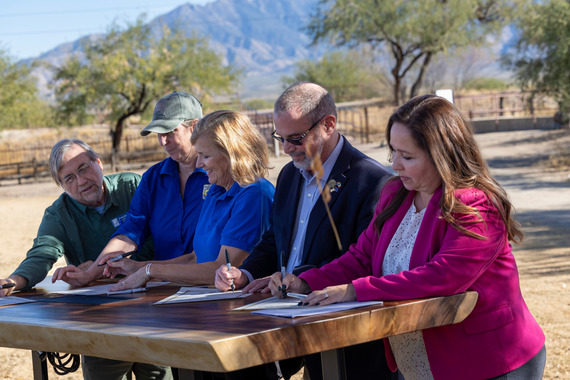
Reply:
x=29 y=28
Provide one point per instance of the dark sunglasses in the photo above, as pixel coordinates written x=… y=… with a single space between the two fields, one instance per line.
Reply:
x=295 y=140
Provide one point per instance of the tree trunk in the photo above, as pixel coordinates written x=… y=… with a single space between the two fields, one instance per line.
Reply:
x=420 y=78
x=396 y=52
x=397 y=83
x=117 y=135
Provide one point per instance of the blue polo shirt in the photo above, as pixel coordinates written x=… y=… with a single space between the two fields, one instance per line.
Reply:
x=158 y=209
x=236 y=218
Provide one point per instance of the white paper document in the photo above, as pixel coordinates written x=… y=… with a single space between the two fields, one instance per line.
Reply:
x=197 y=294
x=12 y=300
x=292 y=301
x=304 y=311
x=99 y=290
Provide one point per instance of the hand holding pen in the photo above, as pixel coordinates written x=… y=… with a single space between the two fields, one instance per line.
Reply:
x=290 y=282
x=7 y=285
x=283 y=271
x=117 y=258
x=229 y=265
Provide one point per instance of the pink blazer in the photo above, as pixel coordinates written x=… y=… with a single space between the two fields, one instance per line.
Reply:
x=499 y=335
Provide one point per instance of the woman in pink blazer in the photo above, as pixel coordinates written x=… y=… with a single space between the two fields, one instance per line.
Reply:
x=441 y=227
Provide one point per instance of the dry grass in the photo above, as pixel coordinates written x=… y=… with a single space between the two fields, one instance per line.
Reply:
x=560 y=159
x=519 y=160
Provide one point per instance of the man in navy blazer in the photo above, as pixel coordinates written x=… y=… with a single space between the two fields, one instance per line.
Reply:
x=301 y=235
x=354 y=186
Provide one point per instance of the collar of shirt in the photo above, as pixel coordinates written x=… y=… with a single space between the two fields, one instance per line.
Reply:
x=111 y=196
x=327 y=165
x=171 y=168
x=220 y=192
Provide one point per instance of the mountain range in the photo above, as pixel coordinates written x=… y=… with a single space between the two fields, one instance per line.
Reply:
x=263 y=37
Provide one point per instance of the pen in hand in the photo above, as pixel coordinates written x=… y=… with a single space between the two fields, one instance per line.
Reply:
x=283 y=288
x=8 y=285
x=230 y=268
x=117 y=258
x=128 y=291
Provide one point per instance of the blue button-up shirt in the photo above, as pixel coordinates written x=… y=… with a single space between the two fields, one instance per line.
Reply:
x=158 y=209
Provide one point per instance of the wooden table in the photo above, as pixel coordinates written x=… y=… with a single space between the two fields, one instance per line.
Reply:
x=207 y=336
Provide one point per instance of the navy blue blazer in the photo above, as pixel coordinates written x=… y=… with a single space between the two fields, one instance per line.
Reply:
x=352 y=207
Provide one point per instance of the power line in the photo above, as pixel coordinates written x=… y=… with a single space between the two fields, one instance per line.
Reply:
x=253 y=19
x=27 y=33
x=75 y=33
x=75 y=12
x=82 y=11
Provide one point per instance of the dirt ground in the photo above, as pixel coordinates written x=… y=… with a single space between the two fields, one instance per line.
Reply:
x=520 y=160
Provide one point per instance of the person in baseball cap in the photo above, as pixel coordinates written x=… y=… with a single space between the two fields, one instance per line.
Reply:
x=171 y=110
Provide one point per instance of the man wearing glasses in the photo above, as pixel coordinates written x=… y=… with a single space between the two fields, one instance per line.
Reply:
x=78 y=225
x=301 y=234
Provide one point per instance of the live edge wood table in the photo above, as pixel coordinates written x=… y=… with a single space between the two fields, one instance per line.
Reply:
x=208 y=336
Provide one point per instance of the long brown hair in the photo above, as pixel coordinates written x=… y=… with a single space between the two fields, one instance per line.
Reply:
x=441 y=131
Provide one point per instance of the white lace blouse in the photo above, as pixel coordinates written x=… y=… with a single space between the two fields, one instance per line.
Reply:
x=409 y=349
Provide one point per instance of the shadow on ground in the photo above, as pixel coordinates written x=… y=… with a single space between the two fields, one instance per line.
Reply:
x=550 y=246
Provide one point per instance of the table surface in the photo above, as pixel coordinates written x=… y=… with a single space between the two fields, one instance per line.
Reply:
x=208 y=336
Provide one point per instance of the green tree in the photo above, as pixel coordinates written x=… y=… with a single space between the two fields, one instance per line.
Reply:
x=125 y=72
x=346 y=75
x=19 y=101
x=411 y=31
x=541 y=56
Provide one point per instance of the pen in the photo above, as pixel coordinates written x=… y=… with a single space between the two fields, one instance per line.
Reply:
x=128 y=291
x=283 y=289
x=230 y=268
x=120 y=257
x=8 y=285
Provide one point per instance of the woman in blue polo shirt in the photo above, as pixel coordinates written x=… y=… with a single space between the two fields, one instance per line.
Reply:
x=236 y=209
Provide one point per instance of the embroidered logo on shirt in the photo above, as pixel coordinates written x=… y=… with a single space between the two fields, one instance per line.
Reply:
x=205 y=190
x=119 y=220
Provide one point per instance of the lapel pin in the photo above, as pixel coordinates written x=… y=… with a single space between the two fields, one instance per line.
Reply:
x=333 y=185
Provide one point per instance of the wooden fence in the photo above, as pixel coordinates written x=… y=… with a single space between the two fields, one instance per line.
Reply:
x=363 y=121
x=30 y=163
x=509 y=104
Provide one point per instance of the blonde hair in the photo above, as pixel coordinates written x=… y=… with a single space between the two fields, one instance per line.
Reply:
x=239 y=140
x=440 y=130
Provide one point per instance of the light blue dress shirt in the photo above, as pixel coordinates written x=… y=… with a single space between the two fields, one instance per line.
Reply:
x=309 y=196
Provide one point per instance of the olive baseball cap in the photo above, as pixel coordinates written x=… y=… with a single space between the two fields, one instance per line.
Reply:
x=171 y=110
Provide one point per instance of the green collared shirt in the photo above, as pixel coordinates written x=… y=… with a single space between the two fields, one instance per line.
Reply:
x=79 y=232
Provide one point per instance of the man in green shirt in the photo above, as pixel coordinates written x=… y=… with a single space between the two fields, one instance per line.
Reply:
x=78 y=225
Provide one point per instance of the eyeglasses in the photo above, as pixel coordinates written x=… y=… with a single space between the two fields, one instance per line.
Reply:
x=82 y=171
x=295 y=140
